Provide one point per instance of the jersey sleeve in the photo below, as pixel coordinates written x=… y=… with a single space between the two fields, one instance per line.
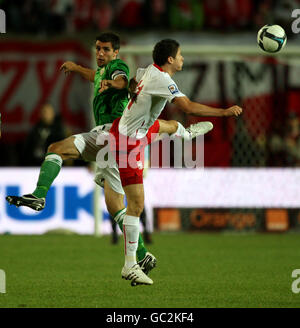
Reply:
x=168 y=89
x=118 y=68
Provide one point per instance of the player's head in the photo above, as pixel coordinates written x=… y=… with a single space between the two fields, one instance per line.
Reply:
x=168 y=52
x=107 y=48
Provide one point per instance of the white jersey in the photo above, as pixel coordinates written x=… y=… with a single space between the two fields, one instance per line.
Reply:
x=155 y=87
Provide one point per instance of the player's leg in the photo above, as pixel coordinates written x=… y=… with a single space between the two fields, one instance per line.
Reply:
x=77 y=146
x=115 y=206
x=147 y=235
x=50 y=168
x=135 y=204
x=168 y=127
x=132 y=183
x=56 y=154
x=114 y=235
x=131 y=223
x=176 y=129
x=114 y=201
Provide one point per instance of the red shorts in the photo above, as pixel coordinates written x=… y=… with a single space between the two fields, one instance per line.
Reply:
x=129 y=152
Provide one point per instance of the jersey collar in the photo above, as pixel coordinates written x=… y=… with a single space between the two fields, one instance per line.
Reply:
x=158 y=67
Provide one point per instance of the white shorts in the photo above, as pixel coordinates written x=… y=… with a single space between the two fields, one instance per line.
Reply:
x=88 y=149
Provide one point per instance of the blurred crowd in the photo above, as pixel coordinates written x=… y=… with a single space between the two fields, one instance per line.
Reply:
x=72 y=16
x=31 y=150
x=52 y=17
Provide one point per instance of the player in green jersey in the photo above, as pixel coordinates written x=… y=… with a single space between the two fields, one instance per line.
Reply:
x=110 y=98
x=109 y=103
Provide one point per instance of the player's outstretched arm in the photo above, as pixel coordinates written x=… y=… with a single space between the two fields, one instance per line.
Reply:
x=197 y=109
x=86 y=73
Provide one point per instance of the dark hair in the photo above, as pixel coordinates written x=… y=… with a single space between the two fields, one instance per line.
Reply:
x=163 y=50
x=110 y=37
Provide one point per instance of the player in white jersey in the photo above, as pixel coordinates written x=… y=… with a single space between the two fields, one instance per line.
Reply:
x=139 y=126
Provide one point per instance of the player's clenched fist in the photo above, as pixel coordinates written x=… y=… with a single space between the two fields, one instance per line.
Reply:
x=233 y=111
x=68 y=67
x=105 y=84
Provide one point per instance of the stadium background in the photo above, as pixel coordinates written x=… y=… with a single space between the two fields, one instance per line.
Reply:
x=223 y=66
x=248 y=191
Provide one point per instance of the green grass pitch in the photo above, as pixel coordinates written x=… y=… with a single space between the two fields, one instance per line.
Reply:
x=194 y=270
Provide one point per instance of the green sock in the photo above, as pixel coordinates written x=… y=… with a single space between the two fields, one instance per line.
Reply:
x=141 y=250
x=48 y=172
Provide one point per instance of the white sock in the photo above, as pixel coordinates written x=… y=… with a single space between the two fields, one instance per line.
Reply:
x=131 y=229
x=181 y=132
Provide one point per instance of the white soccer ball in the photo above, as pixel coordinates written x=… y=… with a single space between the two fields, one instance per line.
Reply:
x=271 y=38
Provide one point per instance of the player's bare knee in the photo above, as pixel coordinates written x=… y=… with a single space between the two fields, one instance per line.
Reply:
x=135 y=207
x=65 y=149
x=54 y=148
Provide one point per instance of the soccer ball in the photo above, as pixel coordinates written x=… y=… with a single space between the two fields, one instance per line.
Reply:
x=271 y=38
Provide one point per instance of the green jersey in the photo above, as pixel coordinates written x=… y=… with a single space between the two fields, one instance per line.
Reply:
x=111 y=103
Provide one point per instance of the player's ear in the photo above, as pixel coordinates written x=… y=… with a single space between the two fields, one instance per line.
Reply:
x=170 y=60
x=116 y=52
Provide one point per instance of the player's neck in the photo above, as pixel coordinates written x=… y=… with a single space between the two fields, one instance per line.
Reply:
x=168 y=69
